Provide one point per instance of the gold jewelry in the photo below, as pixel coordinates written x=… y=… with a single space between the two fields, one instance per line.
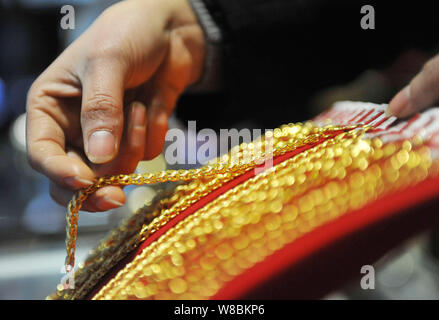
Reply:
x=359 y=162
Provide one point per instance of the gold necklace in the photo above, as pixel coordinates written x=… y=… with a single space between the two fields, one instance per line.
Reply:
x=335 y=156
x=210 y=171
x=284 y=139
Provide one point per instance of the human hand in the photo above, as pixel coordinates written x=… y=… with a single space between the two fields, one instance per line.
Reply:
x=422 y=92
x=81 y=119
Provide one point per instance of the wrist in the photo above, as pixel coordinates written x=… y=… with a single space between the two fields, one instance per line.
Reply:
x=211 y=78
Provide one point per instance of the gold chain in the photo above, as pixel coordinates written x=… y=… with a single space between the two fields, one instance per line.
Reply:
x=332 y=158
x=230 y=169
x=167 y=205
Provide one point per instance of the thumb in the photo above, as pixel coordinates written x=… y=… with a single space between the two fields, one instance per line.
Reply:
x=422 y=92
x=102 y=111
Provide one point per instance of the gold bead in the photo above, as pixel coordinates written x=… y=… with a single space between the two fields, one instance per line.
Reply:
x=177 y=285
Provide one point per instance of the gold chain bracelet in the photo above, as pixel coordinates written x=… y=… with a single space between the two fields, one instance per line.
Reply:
x=225 y=167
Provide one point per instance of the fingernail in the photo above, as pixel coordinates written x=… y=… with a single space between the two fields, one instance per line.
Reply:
x=101 y=146
x=399 y=106
x=77 y=182
x=106 y=203
x=162 y=117
x=138 y=115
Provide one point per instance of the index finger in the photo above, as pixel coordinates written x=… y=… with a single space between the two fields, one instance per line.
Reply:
x=422 y=92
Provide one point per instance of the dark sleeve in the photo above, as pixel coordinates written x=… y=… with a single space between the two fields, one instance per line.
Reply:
x=278 y=53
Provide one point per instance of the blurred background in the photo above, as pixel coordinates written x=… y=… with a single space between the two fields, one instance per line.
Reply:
x=32 y=226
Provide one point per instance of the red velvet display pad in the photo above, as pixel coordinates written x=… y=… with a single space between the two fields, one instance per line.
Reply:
x=328 y=256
